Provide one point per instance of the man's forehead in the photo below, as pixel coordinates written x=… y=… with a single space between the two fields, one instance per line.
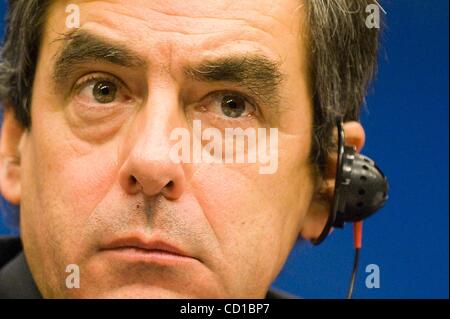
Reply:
x=192 y=24
x=198 y=8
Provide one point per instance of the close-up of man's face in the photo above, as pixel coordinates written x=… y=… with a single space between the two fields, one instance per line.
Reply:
x=216 y=150
x=96 y=183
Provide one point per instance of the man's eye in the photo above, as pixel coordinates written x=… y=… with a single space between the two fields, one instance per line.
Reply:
x=230 y=105
x=95 y=90
x=104 y=91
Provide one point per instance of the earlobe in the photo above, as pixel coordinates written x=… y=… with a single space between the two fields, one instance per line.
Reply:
x=315 y=219
x=10 y=180
x=320 y=206
x=11 y=133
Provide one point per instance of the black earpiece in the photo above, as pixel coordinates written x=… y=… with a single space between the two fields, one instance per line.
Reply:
x=360 y=190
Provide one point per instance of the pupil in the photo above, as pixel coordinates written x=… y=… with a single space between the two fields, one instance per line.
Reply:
x=233 y=106
x=105 y=92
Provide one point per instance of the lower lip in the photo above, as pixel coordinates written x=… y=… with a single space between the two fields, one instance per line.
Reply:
x=132 y=254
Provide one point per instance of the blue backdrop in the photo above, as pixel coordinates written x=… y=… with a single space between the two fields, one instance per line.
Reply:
x=407 y=134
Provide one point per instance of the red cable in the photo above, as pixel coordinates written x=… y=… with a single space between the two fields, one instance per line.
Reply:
x=357 y=234
x=357 y=238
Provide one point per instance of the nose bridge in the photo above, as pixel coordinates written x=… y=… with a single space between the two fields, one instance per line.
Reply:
x=154 y=122
x=147 y=166
x=153 y=129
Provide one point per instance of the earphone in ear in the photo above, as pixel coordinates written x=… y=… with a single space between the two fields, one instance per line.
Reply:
x=360 y=188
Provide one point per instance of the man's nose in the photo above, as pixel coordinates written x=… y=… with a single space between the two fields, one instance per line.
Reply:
x=147 y=166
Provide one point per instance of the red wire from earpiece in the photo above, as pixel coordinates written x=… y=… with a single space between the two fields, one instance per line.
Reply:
x=357 y=241
x=357 y=234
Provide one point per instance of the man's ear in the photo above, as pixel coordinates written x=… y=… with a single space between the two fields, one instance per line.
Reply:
x=320 y=207
x=10 y=136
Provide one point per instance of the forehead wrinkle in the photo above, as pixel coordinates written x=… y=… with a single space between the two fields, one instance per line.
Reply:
x=167 y=20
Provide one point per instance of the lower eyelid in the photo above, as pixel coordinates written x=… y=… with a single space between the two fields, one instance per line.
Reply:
x=248 y=117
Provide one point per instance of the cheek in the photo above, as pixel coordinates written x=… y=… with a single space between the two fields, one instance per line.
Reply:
x=243 y=222
x=70 y=172
x=248 y=210
x=233 y=201
x=253 y=215
x=86 y=179
x=63 y=182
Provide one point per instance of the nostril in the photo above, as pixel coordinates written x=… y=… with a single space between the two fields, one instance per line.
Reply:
x=170 y=184
x=132 y=180
x=173 y=189
x=131 y=184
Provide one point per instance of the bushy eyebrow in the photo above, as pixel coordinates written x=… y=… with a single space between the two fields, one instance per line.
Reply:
x=81 y=47
x=256 y=72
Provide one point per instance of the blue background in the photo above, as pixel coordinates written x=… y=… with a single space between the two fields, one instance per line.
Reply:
x=407 y=134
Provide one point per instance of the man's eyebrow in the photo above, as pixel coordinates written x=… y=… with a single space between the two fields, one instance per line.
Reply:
x=259 y=74
x=82 y=47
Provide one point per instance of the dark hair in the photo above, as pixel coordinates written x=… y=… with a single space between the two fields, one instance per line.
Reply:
x=342 y=55
x=24 y=27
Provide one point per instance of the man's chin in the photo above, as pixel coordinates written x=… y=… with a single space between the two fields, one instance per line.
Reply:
x=103 y=278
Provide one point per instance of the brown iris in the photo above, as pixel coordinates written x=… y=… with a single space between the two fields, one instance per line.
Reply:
x=104 y=92
x=233 y=106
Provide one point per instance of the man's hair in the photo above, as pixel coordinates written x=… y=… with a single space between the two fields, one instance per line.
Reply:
x=343 y=54
x=342 y=61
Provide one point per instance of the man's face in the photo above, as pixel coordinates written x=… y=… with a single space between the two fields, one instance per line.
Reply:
x=98 y=187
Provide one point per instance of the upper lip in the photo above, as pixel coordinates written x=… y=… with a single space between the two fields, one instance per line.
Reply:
x=145 y=244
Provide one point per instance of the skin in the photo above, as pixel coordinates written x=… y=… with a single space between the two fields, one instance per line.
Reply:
x=82 y=180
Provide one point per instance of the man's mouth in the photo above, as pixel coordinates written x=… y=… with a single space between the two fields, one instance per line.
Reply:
x=147 y=250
